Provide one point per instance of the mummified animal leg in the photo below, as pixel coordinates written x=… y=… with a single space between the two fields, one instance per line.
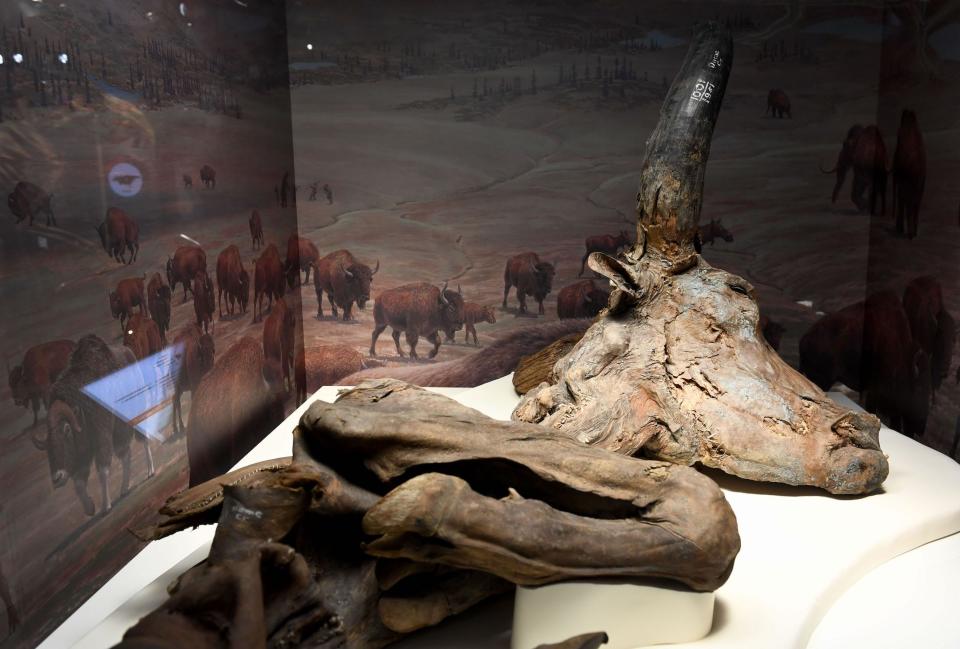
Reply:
x=677 y=368
x=574 y=511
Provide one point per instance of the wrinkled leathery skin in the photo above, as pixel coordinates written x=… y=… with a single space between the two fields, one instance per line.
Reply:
x=676 y=367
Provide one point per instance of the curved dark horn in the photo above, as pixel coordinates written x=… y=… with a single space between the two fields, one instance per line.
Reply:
x=443 y=294
x=671 y=185
x=376 y=268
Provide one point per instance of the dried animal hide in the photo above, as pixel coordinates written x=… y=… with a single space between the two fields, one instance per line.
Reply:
x=515 y=500
x=677 y=368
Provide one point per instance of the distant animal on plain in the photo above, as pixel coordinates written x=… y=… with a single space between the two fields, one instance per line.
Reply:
x=208 y=177
x=28 y=200
x=204 y=301
x=531 y=276
x=606 y=243
x=233 y=282
x=158 y=303
x=868 y=346
x=345 y=280
x=778 y=104
x=302 y=254
x=710 y=232
x=31 y=380
x=187 y=181
x=278 y=344
x=142 y=336
x=186 y=262
x=416 y=310
x=473 y=314
x=494 y=361
x=931 y=325
x=315 y=367
x=80 y=432
x=909 y=174
x=194 y=353
x=583 y=299
x=129 y=294
x=267 y=280
x=863 y=150
x=119 y=234
x=231 y=411
x=256 y=229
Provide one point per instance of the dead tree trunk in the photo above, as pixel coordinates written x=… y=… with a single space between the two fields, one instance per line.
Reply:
x=676 y=367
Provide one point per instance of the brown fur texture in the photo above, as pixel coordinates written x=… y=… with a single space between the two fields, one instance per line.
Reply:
x=142 y=336
x=204 y=301
x=278 y=341
x=119 y=234
x=583 y=299
x=931 y=325
x=496 y=360
x=129 y=294
x=27 y=201
x=42 y=364
x=194 y=353
x=233 y=282
x=323 y=365
x=531 y=276
x=302 y=254
x=416 y=310
x=345 y=280
x=231 y=411
x=186 y=262
x=158 y=303
x=267 y=280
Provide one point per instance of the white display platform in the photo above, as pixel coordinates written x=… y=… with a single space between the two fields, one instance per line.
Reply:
x=801 y=550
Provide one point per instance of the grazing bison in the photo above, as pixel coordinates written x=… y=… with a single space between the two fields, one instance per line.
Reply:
x=497 y=360
x=606 y=243
x=778 y=104
x=909 y=174
x=710 y=232
x=863 y=151
x=187 y=181
x=278 y=341
x=345 y=281
x=158 y=303
x=186 y=262
x=772 y=332
x=868 y=347
x=129 y=293
x=931 y=325
x=583 y=299
x=81 y=432
x=208 y=177
x=142 y=336
x=267 y=280
x=31 y=380
x=416 y=310
x=323 y=365
x=27 y=200
x=531 y=277
x=232 y=281
x=204 y=301
x=193 y=358
x=301 y=255
x=232 y=409
x=119 y=234
x=256 y=229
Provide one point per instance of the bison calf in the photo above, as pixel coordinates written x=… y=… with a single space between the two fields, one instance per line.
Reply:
x=473 y=313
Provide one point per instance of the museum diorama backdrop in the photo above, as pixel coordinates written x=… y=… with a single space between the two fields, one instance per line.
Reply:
x=217 y=207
